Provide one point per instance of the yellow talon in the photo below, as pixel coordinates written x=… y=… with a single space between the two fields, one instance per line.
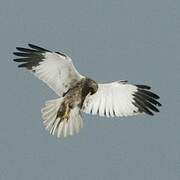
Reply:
x=66 y=114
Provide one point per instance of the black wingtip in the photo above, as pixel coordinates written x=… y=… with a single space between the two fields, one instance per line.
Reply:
x=143 y=86
x=20 y=48
x=145 y=100
x=26 y=50
x=15 y=60
x=38 y=48
x=22 y=54
x=15 y=53
x=149 y=93
x=29 y=57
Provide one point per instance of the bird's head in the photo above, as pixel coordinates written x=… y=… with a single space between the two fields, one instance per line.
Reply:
x=91 y=85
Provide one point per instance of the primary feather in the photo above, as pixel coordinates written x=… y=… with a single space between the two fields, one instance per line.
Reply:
x=53 y=68
x=121 y=99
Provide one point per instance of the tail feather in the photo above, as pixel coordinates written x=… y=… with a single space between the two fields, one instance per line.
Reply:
x=57 y=126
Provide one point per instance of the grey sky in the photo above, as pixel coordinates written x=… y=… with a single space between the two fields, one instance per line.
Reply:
x=108 y=40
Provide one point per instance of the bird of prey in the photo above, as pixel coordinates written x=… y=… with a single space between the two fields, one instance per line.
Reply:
x=78 y=93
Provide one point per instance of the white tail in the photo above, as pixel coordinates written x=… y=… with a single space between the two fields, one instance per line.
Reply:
x=58 y=126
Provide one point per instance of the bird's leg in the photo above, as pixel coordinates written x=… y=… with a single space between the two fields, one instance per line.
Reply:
x=66 y=113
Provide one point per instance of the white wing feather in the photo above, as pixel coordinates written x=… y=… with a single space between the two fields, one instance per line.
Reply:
x=53 y=68
x=112 y=99
x=57 y=72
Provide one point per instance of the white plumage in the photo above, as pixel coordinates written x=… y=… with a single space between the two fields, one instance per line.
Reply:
x=112 y=99
x=57 y=72
x=78 y=93
x=66 y=128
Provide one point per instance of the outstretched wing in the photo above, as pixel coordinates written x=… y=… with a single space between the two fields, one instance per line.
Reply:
x=121 y=99
x=53 y=68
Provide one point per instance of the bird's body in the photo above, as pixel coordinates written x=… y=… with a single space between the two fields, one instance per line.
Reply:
x=78 y=93
x=75 y=96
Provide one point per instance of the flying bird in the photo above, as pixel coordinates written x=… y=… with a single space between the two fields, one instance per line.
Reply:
x=77 y=93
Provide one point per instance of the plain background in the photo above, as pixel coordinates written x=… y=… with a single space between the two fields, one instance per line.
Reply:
x=135 y=40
